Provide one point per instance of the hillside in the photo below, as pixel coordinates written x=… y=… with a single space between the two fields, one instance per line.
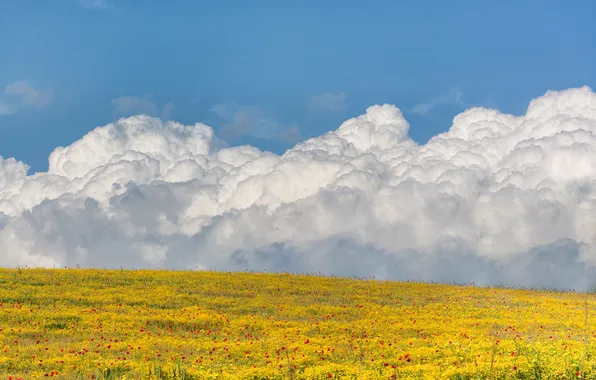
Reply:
x=80 y=323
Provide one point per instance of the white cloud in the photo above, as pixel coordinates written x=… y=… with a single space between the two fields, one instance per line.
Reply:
x=498 y=199
x=20 y=95
x=330 y=102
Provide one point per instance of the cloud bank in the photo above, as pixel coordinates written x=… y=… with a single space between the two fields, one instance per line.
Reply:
x=497 y=200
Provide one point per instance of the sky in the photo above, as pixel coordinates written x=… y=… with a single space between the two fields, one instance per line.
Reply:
x=271 y=73
x=412 y=140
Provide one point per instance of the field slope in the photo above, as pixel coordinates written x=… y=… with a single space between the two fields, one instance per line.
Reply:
x=84 y=324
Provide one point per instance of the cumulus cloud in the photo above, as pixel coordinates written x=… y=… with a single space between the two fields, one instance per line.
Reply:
x=20 y=95
x=330 y=102
x=498 y=199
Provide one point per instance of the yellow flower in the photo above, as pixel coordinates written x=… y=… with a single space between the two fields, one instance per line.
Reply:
x=154 y=324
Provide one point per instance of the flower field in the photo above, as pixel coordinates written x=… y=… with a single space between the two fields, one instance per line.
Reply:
x=116 y=324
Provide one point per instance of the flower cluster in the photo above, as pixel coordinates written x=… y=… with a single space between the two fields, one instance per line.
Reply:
x=115 y=324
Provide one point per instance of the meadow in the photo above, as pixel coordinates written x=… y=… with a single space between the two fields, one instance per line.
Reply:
x=118 y=324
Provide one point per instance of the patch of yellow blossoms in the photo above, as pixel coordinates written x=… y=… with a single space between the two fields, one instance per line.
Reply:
x=114 y=324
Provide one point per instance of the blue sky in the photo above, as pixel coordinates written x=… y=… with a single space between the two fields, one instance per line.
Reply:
x=269 y=73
